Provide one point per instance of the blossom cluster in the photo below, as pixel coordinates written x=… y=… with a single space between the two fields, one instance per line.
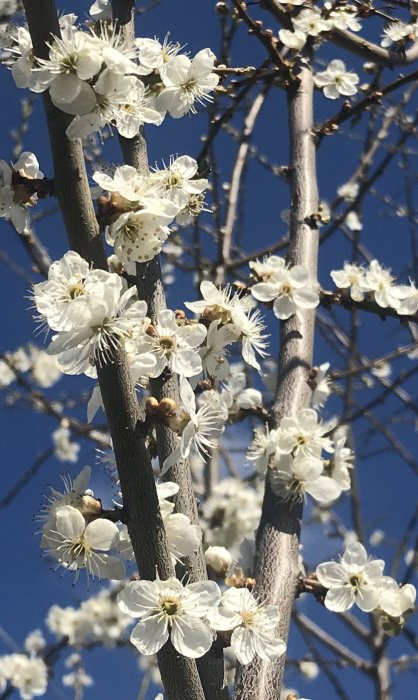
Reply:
x=93 y=312
x=293 y=454
x=78 y=538
x=27 y=673
x=142 y=207
x=356 y=579
x=43 y=368
x=313 y=22
x=100 y=78
x=188 y=614
x=377 y=282
x=287 y=286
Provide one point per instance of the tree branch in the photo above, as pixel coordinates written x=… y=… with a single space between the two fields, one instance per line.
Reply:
x=278 y=535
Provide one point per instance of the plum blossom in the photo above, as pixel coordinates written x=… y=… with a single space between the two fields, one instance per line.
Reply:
x=395 y=600
x=74 y=491
x=253 y=626
x=262 y=448
x=294 y=477
x=352 y=277
x=101 y=9
x=344 y=17
x=198 y=427
x=78 y=546
x=303 y=434
x=293 y=39
x=409 y=304
x=187 y=81
x=15 y=198
x=64 y=449
x=28 y=674
x=381 y=283
x=336 y=80
x=177 y=182
x=102 y=321
x=355 y=579
x=167 y=609
x=289 y=287
x=154 y=56
x=174 y=345
x=213 y=353
x=311 y=22
x=183 y=537
x=138 y=236
x=395 y=32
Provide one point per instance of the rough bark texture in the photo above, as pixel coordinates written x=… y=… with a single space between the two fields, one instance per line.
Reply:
x=70 y=178
x=278 y=534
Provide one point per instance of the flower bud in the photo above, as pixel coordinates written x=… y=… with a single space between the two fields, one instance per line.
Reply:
x=219 y=560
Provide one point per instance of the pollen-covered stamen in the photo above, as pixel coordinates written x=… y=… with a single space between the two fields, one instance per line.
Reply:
x=170 y=606
x=76 y=290
x=356 y=580
x=167 y=343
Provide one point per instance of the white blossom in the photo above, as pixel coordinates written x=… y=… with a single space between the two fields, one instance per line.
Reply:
x=381 y=283
x=311 y=22
x=409 y=304
x=28 y=675
x=295 y=477
x=336 y=80
x=15 y=200
x=138 y=236
x=293 y=39
x=199 y=427
x=253 y=626
x=187 y=81
x=78 y=546
x=303 y=434
x=169 y=609
x=344 y=17
x=290 y=288
x=64 y=449
x=355 y=579
x=352 y=276
x=213 y=353
x=395 y=32
x=177 y=182
x=262 y=448
x=395 y=600
x=349 y=191
x=45 y=369
x=154 y=56
x=101 y=9
x=174 y=345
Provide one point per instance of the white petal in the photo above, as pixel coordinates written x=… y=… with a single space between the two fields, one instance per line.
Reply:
x=191 y=637
x=339 y=599
x=150 y=635
x=101 y=534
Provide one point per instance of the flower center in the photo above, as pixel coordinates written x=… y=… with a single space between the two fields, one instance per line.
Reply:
x=248 y=617
x=167 y=343
x=76 y=290
x=173 y=180
x=355 y=580
x=170 y=606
